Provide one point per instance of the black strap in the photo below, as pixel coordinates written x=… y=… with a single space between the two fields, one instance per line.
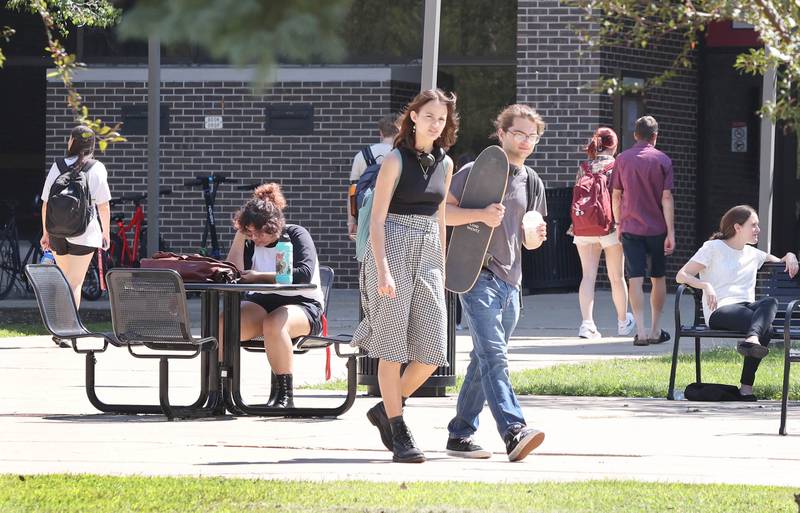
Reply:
x=369 y=158
x=249 y=251
x=62 y=166
x=533 y=185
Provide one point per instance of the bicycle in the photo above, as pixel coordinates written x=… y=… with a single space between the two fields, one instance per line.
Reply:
x=124 y=251
x=12 y=264
x=210 y=184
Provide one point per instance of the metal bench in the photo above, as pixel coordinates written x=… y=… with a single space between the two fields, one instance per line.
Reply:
x=61 y=318
x=303 y=345
x=772 y=281
x=148 y=310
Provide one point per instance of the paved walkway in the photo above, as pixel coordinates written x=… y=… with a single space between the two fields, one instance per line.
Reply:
x=48 y=424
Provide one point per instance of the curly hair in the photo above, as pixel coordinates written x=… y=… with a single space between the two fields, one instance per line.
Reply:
x=406 y=139
x=264 y=211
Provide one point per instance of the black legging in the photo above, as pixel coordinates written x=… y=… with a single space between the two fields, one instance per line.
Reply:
x=751 y=318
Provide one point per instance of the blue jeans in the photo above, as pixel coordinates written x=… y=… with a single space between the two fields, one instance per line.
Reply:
x=492 y=310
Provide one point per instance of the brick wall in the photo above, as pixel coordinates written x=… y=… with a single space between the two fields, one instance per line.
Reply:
x=551 y=77
x=313 y=169
x=554 y=68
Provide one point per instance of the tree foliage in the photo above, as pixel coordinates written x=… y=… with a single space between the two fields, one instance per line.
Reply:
x=640 y=23
x=244 y=32
x=240 y=32
x=57 y=18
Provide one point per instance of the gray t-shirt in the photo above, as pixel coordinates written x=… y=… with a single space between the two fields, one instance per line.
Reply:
x=505 y=245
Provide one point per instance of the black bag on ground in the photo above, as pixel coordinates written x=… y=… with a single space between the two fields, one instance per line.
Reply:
x=69 y=205
x=711 y=392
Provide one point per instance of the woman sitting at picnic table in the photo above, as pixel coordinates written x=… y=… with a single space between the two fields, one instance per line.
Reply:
x=727 y=265
x=279 y=316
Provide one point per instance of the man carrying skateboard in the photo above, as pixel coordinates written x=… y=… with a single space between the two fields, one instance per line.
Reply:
x=492 y=306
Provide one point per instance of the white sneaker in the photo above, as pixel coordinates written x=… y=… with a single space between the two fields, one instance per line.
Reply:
x=588 y=330
x=626 y=327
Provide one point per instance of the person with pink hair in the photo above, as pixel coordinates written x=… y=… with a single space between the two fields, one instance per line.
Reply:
x=601 y=150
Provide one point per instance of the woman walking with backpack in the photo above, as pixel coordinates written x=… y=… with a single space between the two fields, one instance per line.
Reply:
x=402 y=278
x=76 y=215
x=594 y=233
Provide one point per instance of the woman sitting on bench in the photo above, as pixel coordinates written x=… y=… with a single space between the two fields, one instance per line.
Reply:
x=727 y=265
x=278 y=316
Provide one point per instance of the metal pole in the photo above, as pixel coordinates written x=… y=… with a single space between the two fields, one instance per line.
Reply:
x=767 y=163
x=153 y=141
x=430 y=44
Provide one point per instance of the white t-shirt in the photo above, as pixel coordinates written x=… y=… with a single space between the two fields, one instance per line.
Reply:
x=359 y=164
x=731 y=272
x=97 y=178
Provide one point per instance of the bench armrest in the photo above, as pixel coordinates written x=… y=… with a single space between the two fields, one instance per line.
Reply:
x=683 y=288
x=318 y=342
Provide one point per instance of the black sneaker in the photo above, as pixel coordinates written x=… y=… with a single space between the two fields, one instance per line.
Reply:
x=377 y=417
x=466 y=448
x=521 y=440
x=403 y=446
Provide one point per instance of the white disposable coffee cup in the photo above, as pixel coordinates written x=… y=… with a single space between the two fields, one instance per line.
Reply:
x=530 y=224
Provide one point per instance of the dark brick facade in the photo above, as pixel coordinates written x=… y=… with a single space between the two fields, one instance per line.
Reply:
x=313 y=169
x=554 y=71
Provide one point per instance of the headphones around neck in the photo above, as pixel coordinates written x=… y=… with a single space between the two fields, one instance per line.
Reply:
x=427 y=160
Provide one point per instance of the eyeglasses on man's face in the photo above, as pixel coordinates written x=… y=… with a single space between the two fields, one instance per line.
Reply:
x=520 y=136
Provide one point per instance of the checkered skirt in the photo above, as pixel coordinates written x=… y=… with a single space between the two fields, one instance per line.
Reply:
x=413 y=325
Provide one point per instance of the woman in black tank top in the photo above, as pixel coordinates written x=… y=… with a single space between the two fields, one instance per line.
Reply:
x=402 y=278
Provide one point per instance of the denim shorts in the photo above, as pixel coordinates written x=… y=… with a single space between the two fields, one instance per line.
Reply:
x=638 y=249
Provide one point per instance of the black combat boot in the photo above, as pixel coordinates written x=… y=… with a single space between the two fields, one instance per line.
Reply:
x=403 y=446
x=273 y=389
x=284 y=397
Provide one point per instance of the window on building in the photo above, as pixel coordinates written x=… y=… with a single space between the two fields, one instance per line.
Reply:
x=630 y=107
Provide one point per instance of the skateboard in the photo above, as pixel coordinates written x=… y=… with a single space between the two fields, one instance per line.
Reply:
x=486 y=184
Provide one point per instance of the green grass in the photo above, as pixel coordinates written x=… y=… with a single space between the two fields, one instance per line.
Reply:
x=649 y=377
x=19 y=329
x=639 y=377
x=67 y=493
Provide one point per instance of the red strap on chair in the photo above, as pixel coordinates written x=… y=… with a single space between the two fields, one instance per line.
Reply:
x=327 y=349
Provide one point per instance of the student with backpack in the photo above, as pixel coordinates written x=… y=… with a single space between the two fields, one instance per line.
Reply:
x=402 y=277
x=367 y=162
x=594 y=233
x=76 y=214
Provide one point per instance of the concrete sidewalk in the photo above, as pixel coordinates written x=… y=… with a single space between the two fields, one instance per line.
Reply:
x=48 y=424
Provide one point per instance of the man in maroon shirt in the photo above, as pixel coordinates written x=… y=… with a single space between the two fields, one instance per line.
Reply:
x=643 y=209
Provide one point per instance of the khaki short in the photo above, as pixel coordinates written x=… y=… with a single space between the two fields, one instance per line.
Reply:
x=604 y=240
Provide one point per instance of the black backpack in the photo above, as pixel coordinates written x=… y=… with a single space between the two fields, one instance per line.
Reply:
x=368 y=177
x=69 y=205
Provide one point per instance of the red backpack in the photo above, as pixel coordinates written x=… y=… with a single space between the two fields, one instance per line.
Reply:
x=591 y=203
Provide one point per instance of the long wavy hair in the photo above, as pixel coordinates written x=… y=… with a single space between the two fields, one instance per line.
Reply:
x=406 y=138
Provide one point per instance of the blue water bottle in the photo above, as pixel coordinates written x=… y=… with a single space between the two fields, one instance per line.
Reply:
x=47 y=258
x=284 y=258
